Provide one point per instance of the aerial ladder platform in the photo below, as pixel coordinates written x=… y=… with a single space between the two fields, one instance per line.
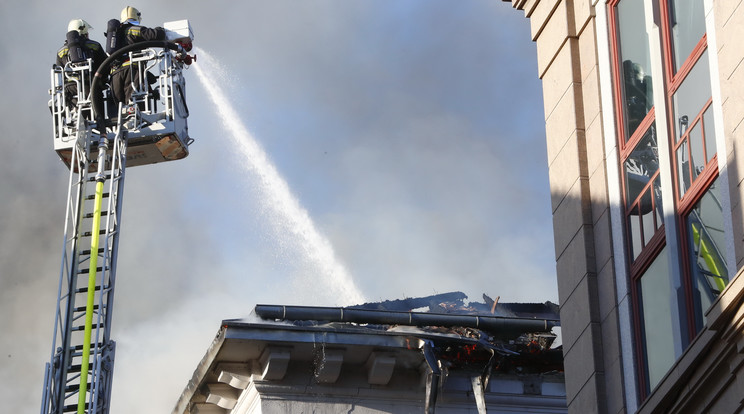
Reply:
x=97 y=141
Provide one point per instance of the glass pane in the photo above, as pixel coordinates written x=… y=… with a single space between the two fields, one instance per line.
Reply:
x=698 y=157
x=634 y=221
x=683 y=169
x=636 y=63
x=706 y=247
x=640 y=166
x=687 y=21
x=692 y=96
x=710 y=134
x=656 y=300
x=657 y=201
x=648 y=217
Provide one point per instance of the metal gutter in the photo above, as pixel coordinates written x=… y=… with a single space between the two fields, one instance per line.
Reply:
x=497 y=325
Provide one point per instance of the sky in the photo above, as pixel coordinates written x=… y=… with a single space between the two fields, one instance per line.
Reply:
x=409 y=135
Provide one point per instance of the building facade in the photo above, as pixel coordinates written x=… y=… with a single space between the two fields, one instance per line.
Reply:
x=643 y=111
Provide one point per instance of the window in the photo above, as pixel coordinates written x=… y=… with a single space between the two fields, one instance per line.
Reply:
x=656 y=305
x=643 y=193
x=635 y=69
x=704 y=225
x=668 y=306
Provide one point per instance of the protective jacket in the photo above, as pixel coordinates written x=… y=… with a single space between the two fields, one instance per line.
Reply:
x=124 y=77
x=128 y=33
x=78 y=48
x=92 y=49
x=135 y=33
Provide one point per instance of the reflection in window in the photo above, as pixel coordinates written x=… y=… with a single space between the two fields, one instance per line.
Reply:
x=695 y=135
x=697 y=156
x=636 y=67
x=705 y=236
x=710 y=137
x=688 y=26
x=656 y=301
x=641 y=165
x=683 y=169
x=643 y=197
x=692 y=96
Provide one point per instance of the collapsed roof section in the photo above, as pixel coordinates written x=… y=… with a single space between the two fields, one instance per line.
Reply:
x=517 y=336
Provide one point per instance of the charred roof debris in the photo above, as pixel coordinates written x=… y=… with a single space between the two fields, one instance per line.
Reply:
x=507 y=337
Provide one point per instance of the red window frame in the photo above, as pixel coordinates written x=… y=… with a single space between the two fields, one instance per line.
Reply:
x=637 y=266
x=682 y=203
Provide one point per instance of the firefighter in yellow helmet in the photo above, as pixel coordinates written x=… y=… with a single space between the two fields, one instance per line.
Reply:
x=78 y=48
x=128 y=32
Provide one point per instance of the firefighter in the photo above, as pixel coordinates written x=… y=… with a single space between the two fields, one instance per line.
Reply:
x=78 y=48
x=124 y=76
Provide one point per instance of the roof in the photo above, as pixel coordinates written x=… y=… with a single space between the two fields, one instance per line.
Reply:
x=263 y=346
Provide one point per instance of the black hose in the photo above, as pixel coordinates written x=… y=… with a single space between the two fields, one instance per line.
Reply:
x=498 y=325
x=95 y=90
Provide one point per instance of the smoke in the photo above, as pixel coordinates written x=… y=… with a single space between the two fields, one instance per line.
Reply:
x=320 y=276
x=399 y=125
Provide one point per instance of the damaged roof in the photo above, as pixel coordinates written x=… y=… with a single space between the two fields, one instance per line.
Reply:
x=441 y=331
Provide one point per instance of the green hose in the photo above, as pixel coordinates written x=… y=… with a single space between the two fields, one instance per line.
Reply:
x=91 y=297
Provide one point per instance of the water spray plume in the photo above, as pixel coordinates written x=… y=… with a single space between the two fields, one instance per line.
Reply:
x=286 y=217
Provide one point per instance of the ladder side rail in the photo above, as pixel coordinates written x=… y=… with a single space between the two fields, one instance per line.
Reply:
x=113 y=224
x=55 y=379
x=68 y=356
x=45 y=397
x=102 y=395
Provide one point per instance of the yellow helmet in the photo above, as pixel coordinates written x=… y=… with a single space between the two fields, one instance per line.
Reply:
x=130 y=12
x=79 y=25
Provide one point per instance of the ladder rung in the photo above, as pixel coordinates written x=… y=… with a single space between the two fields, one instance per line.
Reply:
x=89 y=233
x=85 y=271
x=72 y=408
x=93 y=196
x=82 y=327
x=91 y=215
x=73 y=387
x=87 y=251
x=83 y=308
x=92 y=346
x=85 y=289
x=75 y=369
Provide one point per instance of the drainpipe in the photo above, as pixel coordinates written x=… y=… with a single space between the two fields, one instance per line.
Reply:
x=432 y=377
x=497 y=325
